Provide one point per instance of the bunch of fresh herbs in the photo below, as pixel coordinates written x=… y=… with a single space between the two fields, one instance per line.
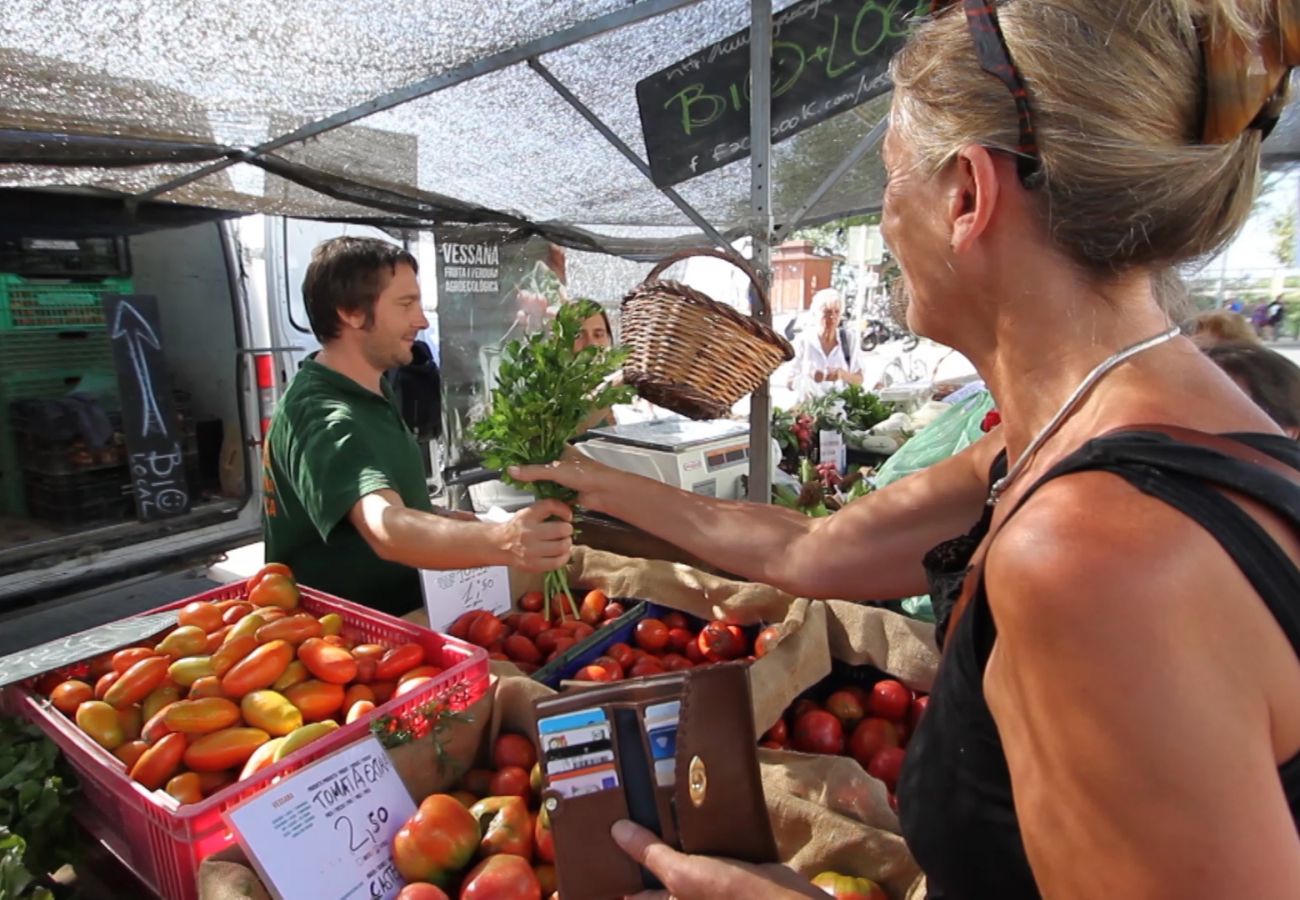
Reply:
x=37 y=835
x=544 y=393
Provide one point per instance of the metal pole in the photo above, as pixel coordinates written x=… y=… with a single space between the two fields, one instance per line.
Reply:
x=628 y=15
x=760 y=196
x=621 y=146
x=864 y=146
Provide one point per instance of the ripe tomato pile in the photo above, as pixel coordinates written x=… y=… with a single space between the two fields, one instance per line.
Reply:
x=490 y=840
x=671 y=642
x=526 y=637
x=872 y=726
x=237 y=686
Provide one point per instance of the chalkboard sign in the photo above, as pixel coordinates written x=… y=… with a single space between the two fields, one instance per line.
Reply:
x=828 y=56
x=74 y=648
x=153 y=440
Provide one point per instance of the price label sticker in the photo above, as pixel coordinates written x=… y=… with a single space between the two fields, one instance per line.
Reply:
x=450 y=594
x=326 y=831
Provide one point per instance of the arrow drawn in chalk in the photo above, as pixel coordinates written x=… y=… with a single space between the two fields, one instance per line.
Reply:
x=139 y=332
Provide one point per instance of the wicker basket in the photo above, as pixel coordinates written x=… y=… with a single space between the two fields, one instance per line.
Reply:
x=691 y=354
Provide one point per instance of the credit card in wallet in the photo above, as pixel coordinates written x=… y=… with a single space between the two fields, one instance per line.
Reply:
x=661 y=732
x=577 y=752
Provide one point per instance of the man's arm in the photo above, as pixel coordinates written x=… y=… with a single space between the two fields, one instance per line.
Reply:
x=536 y=539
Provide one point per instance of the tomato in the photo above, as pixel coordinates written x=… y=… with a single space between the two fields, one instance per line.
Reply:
x=271 y=712
x=263 y=757
x=201 y=716
x=274 y=568
x=225 y=749
x=645 y=667
x=676 y=619
x=332 y=664
x=437 y=842
x=201 y=614
x=766 y=640
x=778 y=733
x=675 y=662
x=845 y=707
x=125 y=659
x=621 y=653
x=215 y=640
x=505 y=825
x=887 y=765
x=610 y=665
x=543 y=839
x=237 y=610
x=400 y=660
x=294 y=673
x=546 y=877
x=411 y=685
x=514 y=750
x=316 y=700
x=678 y=639
x=159 y=698
x=422 y=890
x=211 y=782
x=295 y=629
x=510 y=780
x=155 y=727
x=890 y=699
x=131 y=721
x=847 y=887
x=717 y=642
x=70 y=694
x=917 y=710
x=275 y=590
x=357 y=710
x=487 y=629
x=694 y=653
x=188 y=640
x=582 y=631
x=651 y=635
x=383 y=690
x=190 y=669
x=100 y=720
x=593 y=672
x=501 y=877
x=870 y=737
x=818 y=732
x=304 y=736
x=742 y=641
x=802 y=706
x=535 y=779
x=533 y=601
x=613 y=611
x=546 y=641
x=158 y=764
x=520 y=648
x=259 y=669
x=460 y=627
x=592 y=610
x=369 y=651
x=331 y=624
x=130 y=753
x=186 y=788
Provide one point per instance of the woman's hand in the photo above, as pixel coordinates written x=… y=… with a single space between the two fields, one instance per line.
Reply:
x=687 y=877
x=574 y=470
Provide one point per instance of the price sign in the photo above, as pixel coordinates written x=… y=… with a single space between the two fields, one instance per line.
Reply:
x=326 y=830
x=450 y=594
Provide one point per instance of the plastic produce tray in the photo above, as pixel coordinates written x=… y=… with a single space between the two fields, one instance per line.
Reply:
x=163 y=842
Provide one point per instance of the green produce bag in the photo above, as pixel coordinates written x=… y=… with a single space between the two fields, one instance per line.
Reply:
x=951 y=433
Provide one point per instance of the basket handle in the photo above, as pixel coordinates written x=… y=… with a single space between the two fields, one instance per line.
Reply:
x=734 y=258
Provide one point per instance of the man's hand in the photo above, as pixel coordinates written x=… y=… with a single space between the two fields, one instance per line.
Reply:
x=704 y=878
x=538 y=538
x=575 y=470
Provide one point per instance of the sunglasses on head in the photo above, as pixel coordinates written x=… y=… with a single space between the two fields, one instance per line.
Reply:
x=995 y=59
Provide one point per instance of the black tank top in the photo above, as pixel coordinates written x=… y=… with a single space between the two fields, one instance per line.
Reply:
x=954 y=795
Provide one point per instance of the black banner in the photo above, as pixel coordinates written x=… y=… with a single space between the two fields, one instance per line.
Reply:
x=828 y=56
x=153 y=441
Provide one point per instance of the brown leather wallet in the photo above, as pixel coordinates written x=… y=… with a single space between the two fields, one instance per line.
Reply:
x=609 y=753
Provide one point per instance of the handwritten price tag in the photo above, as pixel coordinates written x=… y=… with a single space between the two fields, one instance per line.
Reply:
x=326 y=830
x=450 y=594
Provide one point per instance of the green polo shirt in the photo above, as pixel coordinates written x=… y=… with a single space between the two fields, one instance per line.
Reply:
x=331 y=443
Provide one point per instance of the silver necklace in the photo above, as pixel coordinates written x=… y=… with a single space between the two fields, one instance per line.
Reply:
x=1073 y=401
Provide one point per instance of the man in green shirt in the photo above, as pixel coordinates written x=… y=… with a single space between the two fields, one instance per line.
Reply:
x=346 y=504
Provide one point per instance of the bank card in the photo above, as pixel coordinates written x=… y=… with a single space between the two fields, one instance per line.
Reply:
x=577 y=752
x=661 y=732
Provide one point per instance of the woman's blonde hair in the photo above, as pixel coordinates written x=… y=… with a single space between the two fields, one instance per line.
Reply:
x=1221 y=326
x=1116 y=92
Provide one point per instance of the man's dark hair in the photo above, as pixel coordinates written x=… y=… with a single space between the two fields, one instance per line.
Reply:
x=347 y=273
x=1272 y=380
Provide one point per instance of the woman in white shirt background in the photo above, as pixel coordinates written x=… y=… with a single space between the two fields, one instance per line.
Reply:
x=821 y=362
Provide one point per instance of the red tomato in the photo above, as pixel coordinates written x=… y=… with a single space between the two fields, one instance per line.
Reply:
x=543 y=840
x=845 y=707
x=546 y=641
x=778 y=732
x=533 y=601
x=870 y=737
x=651 y=635
x=886 y=765
x=694 y=653
x=275 y=590
x=460 y=627
x=514 y=750
x=502 y=876
x=612 y=666
x=613 y=611
x=863 y=695
x=818 y=732
x=510 y=781
x=742 y=642
x=717 y=642
x=890 y=699
x=593 y=672
x=622 y=654
x=675 y=662
x=766 y=640
x=582 y=631
x=676 y=620
x=678 y=639
x=437 y=842
x=422 y=890
x=918 y=709
x=645 y=667
x=531 y=625
x=593 y=606
x=801 y=706
x=486 y=630
x=520 y=648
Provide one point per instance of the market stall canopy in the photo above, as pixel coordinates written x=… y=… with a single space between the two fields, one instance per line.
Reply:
x=125 y=96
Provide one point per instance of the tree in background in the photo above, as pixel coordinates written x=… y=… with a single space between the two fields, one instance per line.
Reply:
x=1283 y=230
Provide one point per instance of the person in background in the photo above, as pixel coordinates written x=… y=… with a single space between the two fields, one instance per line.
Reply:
x=1117 y=711
x=346 y=502
x=1220 y=327
x=596 y=332
x=1267 y=377
x=1276 y=313
x=821 y=362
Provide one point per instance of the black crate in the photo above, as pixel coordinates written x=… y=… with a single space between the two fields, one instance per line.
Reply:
x=79 y=498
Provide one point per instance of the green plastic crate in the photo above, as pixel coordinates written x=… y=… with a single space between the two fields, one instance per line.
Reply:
x=36 y=351
x=29 y=303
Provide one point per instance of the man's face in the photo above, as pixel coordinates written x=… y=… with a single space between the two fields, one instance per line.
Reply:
x=398 y=321
x=593 y=334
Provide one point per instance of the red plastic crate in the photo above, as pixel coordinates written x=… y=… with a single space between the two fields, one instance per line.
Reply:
x=163 y=842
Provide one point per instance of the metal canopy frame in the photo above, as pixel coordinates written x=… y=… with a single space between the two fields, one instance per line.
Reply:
x=761 y=229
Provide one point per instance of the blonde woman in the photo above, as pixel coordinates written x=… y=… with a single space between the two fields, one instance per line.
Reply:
x=1117 y=713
